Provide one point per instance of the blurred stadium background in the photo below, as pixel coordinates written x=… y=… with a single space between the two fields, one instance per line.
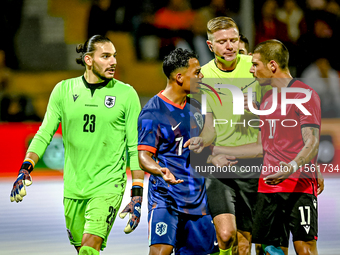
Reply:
x=37 y=50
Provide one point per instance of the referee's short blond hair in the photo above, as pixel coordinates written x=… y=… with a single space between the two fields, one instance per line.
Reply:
x=220 y=23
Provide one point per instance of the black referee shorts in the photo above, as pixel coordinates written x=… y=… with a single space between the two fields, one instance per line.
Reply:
x=234 y=195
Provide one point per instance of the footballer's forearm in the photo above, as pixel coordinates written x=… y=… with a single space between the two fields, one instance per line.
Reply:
x=310 y=136
x=137 y=174
x=247 y=151
x=33 y=156
x=208 y=133
x=148 y=164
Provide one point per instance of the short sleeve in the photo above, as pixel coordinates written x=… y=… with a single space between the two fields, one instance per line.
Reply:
x=314 y=107
x=149 y=132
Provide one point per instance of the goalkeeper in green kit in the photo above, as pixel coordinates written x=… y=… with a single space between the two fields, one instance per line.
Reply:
x=99 y=117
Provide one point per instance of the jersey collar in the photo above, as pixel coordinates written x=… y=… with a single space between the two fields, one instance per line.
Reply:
x=95 y=85
x=170 y=102
x=291 y=82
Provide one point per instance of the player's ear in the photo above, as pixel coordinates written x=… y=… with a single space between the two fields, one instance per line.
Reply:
x=209 y=43
x=88 y=60
x=179 y=78
x=273 y=66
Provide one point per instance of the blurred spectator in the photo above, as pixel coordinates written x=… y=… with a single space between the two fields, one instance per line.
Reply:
x=17 y=108
x=327 y=11
x=293 y=17
x=100 y=18
x=197 y=4
x=333 y=7
x=295 y=21
x=320 y=37
x=316 y=4
x=13 y=107
x=177 y=25
x=174 y=24
x=144 y=33
x=107 y=16
x=269 y=27
x=5 y=73
x=216 y=8
x=10 y=20
x=325 y=81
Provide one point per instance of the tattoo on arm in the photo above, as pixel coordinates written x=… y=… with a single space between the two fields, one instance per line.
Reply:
x=310 y=136
x=308 y=133
x=301 y=161
x=304 y=134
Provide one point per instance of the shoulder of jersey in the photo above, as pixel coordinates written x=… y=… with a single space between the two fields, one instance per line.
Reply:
x=152 y=104
x=303 y=85
x=70 y=80
x=246 y=58
x=195 y=103
x=121 y=84
x=208 y=65
x=300 y=84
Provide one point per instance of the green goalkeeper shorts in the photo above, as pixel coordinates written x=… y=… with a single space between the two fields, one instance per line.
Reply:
x=91 y=216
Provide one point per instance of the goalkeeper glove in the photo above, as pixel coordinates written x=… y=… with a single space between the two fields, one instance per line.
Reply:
x=134 y=208
x=24 y=179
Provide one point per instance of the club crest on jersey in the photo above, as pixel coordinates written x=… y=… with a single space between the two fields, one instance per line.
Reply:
x=110 y=101
x=161 y=228
x=199 y=119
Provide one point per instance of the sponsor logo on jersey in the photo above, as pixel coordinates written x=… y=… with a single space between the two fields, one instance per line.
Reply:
x=75 y=96
x=199 y=119
x=161 y=228
x=110 y=101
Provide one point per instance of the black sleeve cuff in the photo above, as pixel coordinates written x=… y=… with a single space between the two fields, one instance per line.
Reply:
x=310 y=125
x=137 y=192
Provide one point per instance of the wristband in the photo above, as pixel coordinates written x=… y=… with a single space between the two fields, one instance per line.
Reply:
x=137 y=182
x=295 y=166
x=136 y=191
x=28 y=165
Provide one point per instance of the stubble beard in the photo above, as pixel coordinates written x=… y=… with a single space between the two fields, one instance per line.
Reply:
x=100 y=75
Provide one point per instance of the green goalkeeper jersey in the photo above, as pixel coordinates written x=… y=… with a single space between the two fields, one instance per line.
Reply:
x=232 y=130
x=99 y=126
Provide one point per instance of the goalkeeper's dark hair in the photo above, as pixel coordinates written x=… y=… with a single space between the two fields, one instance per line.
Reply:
x=177 y=58
x=89 y=47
